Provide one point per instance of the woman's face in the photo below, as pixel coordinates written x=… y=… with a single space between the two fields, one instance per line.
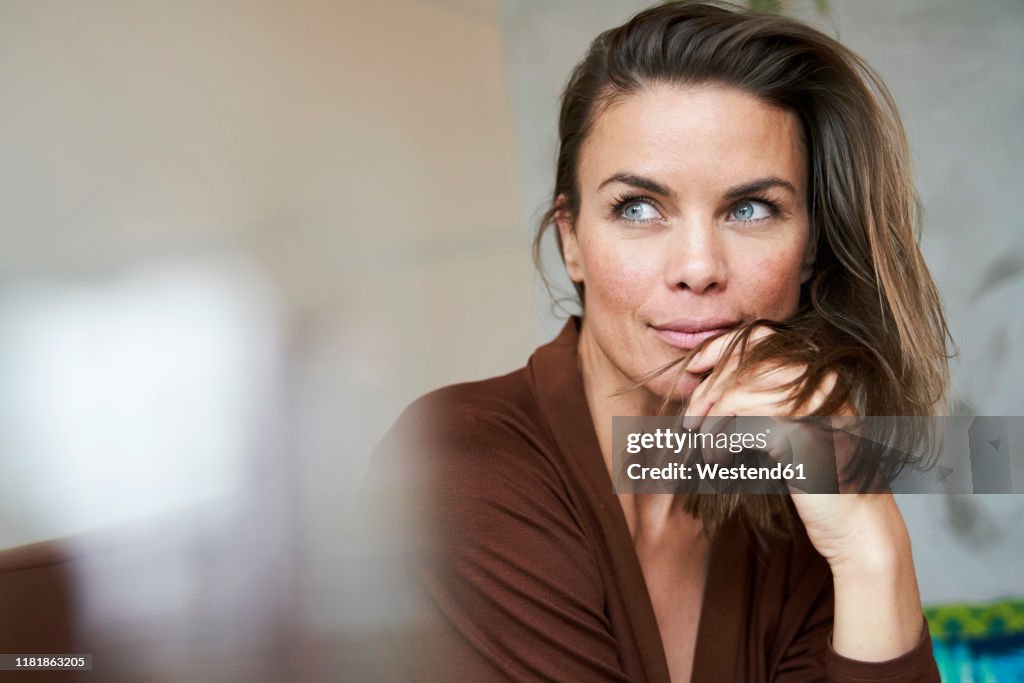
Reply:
x=692 y=219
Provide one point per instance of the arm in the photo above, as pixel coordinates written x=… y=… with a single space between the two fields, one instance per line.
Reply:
x=861 y=622
x=882 y=574
x=877 y=621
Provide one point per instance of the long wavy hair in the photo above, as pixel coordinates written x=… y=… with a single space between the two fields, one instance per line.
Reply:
x=870 y=315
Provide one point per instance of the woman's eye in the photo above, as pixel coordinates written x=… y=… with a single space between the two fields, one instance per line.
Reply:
x=749 y=211
x=639 y=211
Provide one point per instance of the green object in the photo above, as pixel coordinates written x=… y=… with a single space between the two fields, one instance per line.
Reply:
x=982 y=643
x=968 y=621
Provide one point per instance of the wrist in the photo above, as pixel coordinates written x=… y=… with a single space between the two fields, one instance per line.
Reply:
x=877 y=603
x=876 y=545
x=872 y=559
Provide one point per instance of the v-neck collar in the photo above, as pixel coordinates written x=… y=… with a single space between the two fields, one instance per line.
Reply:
x=558 y=384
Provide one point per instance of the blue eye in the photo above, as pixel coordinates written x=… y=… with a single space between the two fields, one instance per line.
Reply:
x=751 y=211
x=633 y=211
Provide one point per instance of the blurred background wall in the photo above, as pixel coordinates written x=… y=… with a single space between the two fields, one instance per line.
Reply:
x=239 y=237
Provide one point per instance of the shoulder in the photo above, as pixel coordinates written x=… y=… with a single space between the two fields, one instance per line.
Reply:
x=474 y=470
x=489 y=542
x=489 y=406
x=474 y=436
x=501 y=413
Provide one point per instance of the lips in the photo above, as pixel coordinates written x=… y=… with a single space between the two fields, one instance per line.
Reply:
x=686 y=334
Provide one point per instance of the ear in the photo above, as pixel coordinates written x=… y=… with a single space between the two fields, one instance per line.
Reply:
x=566 y=223
x=810 y=256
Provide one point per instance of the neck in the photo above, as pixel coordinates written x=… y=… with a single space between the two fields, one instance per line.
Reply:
x=608 y=394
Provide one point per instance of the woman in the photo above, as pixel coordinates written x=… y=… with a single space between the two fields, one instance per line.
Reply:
x=723 y=177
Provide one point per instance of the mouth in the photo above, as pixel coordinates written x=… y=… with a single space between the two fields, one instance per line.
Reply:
x=687 y=334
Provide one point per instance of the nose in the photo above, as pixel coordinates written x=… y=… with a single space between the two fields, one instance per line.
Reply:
x=696 y=258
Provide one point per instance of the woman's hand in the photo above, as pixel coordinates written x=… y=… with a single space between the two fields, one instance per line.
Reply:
x=861 y=536
x=839 y=526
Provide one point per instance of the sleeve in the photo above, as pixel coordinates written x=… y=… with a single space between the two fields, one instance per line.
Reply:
x=916 y=665
x=501 y=576
x=810 y=656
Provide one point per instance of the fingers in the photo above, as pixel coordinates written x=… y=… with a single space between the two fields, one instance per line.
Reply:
x=707 y=394
x=714 y=425
x=728 y=394
x=763 y=391
x=713 y=354
x=727 y=407
x=805 y=450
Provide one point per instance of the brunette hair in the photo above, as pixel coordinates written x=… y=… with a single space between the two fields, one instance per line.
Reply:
x=870 y=315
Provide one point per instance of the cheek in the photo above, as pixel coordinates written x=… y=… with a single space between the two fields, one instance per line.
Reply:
x=770 y=281
x=618 y=276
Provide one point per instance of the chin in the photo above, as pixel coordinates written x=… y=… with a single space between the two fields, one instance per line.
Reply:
x=661 y=386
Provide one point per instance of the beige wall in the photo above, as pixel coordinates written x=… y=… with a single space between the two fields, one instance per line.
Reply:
x=332 y=189
x=358 y=156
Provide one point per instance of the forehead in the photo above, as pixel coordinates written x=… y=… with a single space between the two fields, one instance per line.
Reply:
x=693 y=138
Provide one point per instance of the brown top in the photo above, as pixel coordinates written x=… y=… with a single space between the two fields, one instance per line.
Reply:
x=523 y=567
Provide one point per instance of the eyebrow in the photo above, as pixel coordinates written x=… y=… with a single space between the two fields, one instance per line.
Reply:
x=638 y=181
x=757 y=186
x=653 y=186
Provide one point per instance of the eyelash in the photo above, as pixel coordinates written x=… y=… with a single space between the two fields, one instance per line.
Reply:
x=623 y=200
